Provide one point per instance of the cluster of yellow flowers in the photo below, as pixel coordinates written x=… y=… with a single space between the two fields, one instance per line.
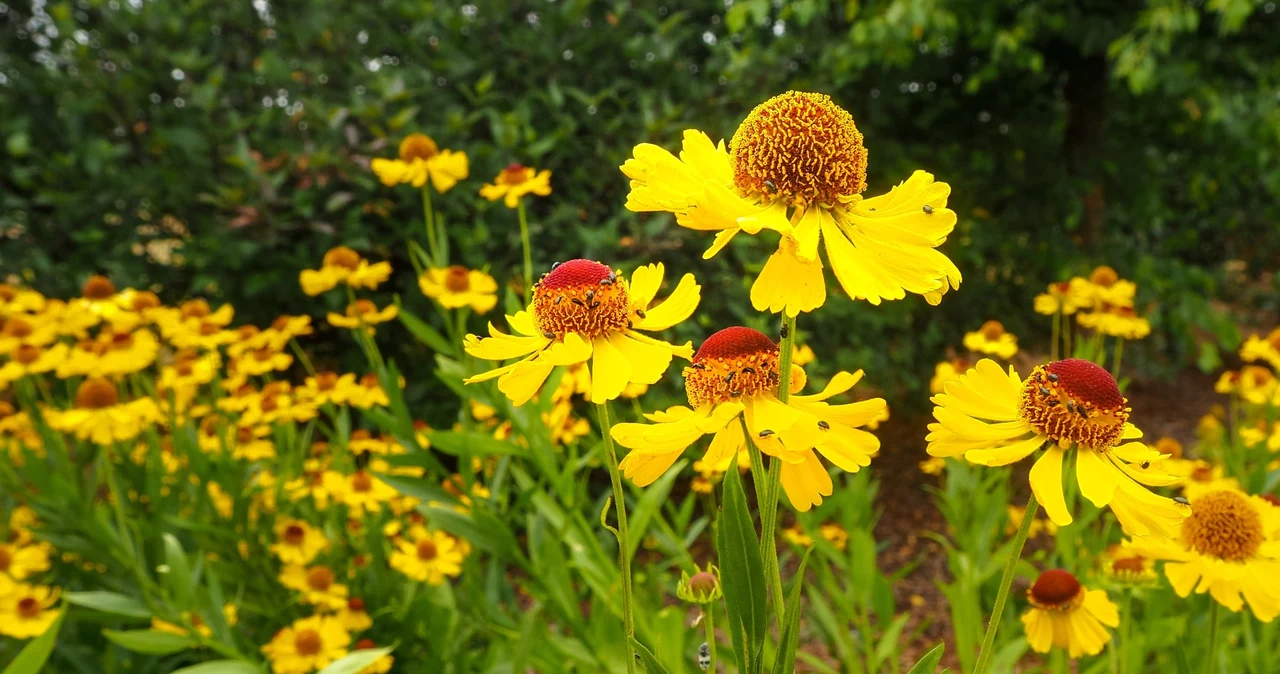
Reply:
x=27 y=609
x=1103 y=302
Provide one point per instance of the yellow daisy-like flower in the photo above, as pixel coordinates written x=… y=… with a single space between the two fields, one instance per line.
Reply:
x=735 y=374
x=330 y=387
x=933 y=465
x=26 y=611
x=455 y=287
x=365 y=492
x=19 y=561
x=1258 y=348
x=111 y=353
x=363 y=313
x=222 y=501
x=514 y=182
x=796 y=536
x=189 y=371
x=564 y=426
x=100 y=417
x=317 y=584
x=427 y=557
x=343 y=265
x=583 y=311
x=835 y=534
x=259 y=362
x=797 y=165
x=98 y=297
x=421 y=159
x=29 y=359
x=1228 y=547
x=946 y=371
x=1200 y=477
x=370 y=393
x=308 y=645
x=802 y=355
x=1065 y=297
x=1254 y=383
x=297 y=542
x=355 y=616
x=230 y=614
x=1115 y=321
x=992 y=340
x=29 y=330
x=1124 y=565
x=994 y=418
x=1106 y=287
x=1068 y=615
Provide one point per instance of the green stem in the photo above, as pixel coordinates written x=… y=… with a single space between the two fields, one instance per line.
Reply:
x=1211 y=652
x=1126 y=629
x=1115 y=369
x=1057 y=321
x=624 y=547
x=1006 y=580
x=430 y=216
x=711 y=636
x=528 y=256
x=1066 y=337
x=769 y=509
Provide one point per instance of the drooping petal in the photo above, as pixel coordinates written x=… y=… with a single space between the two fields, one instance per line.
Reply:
x=806 y=482
x=500 y=346
x=610 y=372
x=524 y=380
x=841 y=382
x=645 y=281
x=648 y=362
x=728 y=441
x=661 y=438
x=1097 y=477
x=1005 y=455
x=678 y=306
x=570 y=351
x=1046 y=482
x=789 y=283
x=643 y=469
x=850 y=449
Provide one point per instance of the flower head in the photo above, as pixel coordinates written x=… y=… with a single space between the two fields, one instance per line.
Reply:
x=317 y=585
x=584 y=311
x=26 y=611
x=734 y=376
x=363 y=313
x=994 y=418
x=98 y=414
x=1106 y=287
x=308 y=645
x=1068 y=615
x=297 y=542
x=1065 y=297
x=421 y=159
x=1115 y=321
x=1125 y=566
x=514 y=182
x=428 y=556
x=797 y=165
x=992 y=340
x=455 y=287
x=703 y=587
x=343 y=265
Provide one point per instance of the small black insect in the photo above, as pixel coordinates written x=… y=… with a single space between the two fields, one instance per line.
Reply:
x=1044 y=391
x=729 y=378
x=928 y=210
x=559 y=299
x=785 y=332
x=748 y=370
x=640 y=313
x=1051 y=402
x=548 y=334
x=768 y=184
x=824 y=425
x=698 y=366
x=1146 y=465
x=1181 y=500
x=554 y=265
x=873 y=208
x=735 y=394
x=1081 y=411
x=613 y=276
x=1071 y=405
x=766 y=433
x=591 y=296
x=1053 y=377
x=606 y=281
x=577 y=302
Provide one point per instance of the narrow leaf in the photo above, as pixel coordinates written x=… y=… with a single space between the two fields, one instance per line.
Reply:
x=356 y=661
x=109 y=602
x=178 y=578
x=929 y=663
x=785 y=661
x=151 y=642
x=742 y=572
x=651 y=664
x=221 y=667
x=31 y=658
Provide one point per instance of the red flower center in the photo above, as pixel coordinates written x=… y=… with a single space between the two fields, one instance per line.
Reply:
x=457 y=279
x=1075 y=401
x=730 y=364
x=96 y=394
x=28 y=608
x=427 y=550
x=583 y=297
x=1054 y=589
x=513 y=174
x=294 y=534
x=319 y=578
x=307 y=642
x=98 y=288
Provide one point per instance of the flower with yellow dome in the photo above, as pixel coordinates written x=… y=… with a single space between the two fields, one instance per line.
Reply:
x=330 y=387
x=797 y=166
x=317 y=585
x=29 y=359
x=365 y=493
x=991 y=339
x=1106 y=287
x=99 y=416
x=1115 y=321
x=995 y=418
x=515 y=181
x=19 y=561
x=355 y=615
x=1123 y=565
x=297 y=542
x=1065 y=614
x=427 y=556
x=343 y=265
x=734 y=376
x=455 y=287
x=1253 y=383
x=308 y=645
x=584 y=311
x=419 y=160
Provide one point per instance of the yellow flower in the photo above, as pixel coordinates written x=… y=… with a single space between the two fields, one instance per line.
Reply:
x=192 y=316
x=363 y=313
x=189 y=371
x=1068 y=615
x=229 y=612
x=259 y=362
x=1257 y=348
x=26 y=611
x=1254 y=383
x=992 y=340
x=1065 y=297
x=1116 y=321
x=100 y=417
x=1200 y=477
x=222 y=502
x=514 y=182
x=994 y=418
x=576 y=380
x=946 y=371
x=1106 y=287
x=583 y=311
x=308 y=645
x=111 y=353
x=370 y=393
x=29 y=359
x=20 y=561
x=455 y=287
x=733 y=375
x=1228 y=547
x=796 y=536
x=933 y=465
x=1038 y=526
x=420 y=158
x=835 y=534
x=365 y=492
x=317 y=585
x=565 y=428
x=1124 y=565
x=343 y=265
x=797 y=165
x=297 y=542
x=251 y=443
x=355 y=616
x=427 y=557
x=802 y=355
x=18 y=330
x=330 y=387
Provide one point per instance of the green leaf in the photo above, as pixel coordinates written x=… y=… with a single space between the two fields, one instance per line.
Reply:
x=929 y=663
x=742 y=572
x=356 y=661
x=889 y=638
x=480 y=528
x=178 y=578
x=31 y=658
x=109 y=602
x=151 y=642
x=221 y=667
x=470 y=443
x=789 y=637
x=651 y=664
x=424 y=332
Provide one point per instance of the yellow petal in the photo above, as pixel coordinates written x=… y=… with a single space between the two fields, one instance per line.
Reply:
x=645 y=281
x=643 y=469
x=1097 y=477
x=1003 y=456
x=500 y=346
x=1046 y=482
x=648 y=362
x=806 y=483
x=610 y=371
x=789 y=283
x=678 y=306
x=523 y=380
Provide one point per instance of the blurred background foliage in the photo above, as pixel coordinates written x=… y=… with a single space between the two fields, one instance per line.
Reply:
x=216 y=149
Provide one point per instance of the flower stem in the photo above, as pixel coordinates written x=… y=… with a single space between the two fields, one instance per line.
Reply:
x=1115 y=369
x=711 y=636
x=1057 y=321
x=769 y=509
x=430 y=216
x=1126 y=629
x=624 y=547
x=1019 y=540
x=1211 y=653
x=528 y=257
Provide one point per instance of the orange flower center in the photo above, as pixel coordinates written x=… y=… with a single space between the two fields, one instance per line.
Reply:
x=361 y=308
x=1104 y=276
x=417 y=146
x=360 y=434
x=96 y=394
x=362 y=482
x=1054 y=589
x=27 y=354
x=1202 y=474
x=1135 y=564
x=294 y=534
x=244 y=434
x=208 y=329
x=1062 y=287
x=581 y=296
x=427 y=550
x=269 y=403
x=121 y=340
x=355 y=604
x=457 y=279
x=326 y=381
x=731 y=363
x=992 y=330
x=280 y=323
x=513 y=174
x=365 y=644
x=28 y=608
x=370 y=381
x=16 y=327
x=703 y=582
x=341 y=256
x=307 y=642
x=264 y=354
x=1225 y=525
x=7 y=292
x=145 y=300
x=98 y=287
x=800 y=146
x=6 y=559
x=1169 y=446
x=1075 y=401
x=195 y=309
x=319 y=578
